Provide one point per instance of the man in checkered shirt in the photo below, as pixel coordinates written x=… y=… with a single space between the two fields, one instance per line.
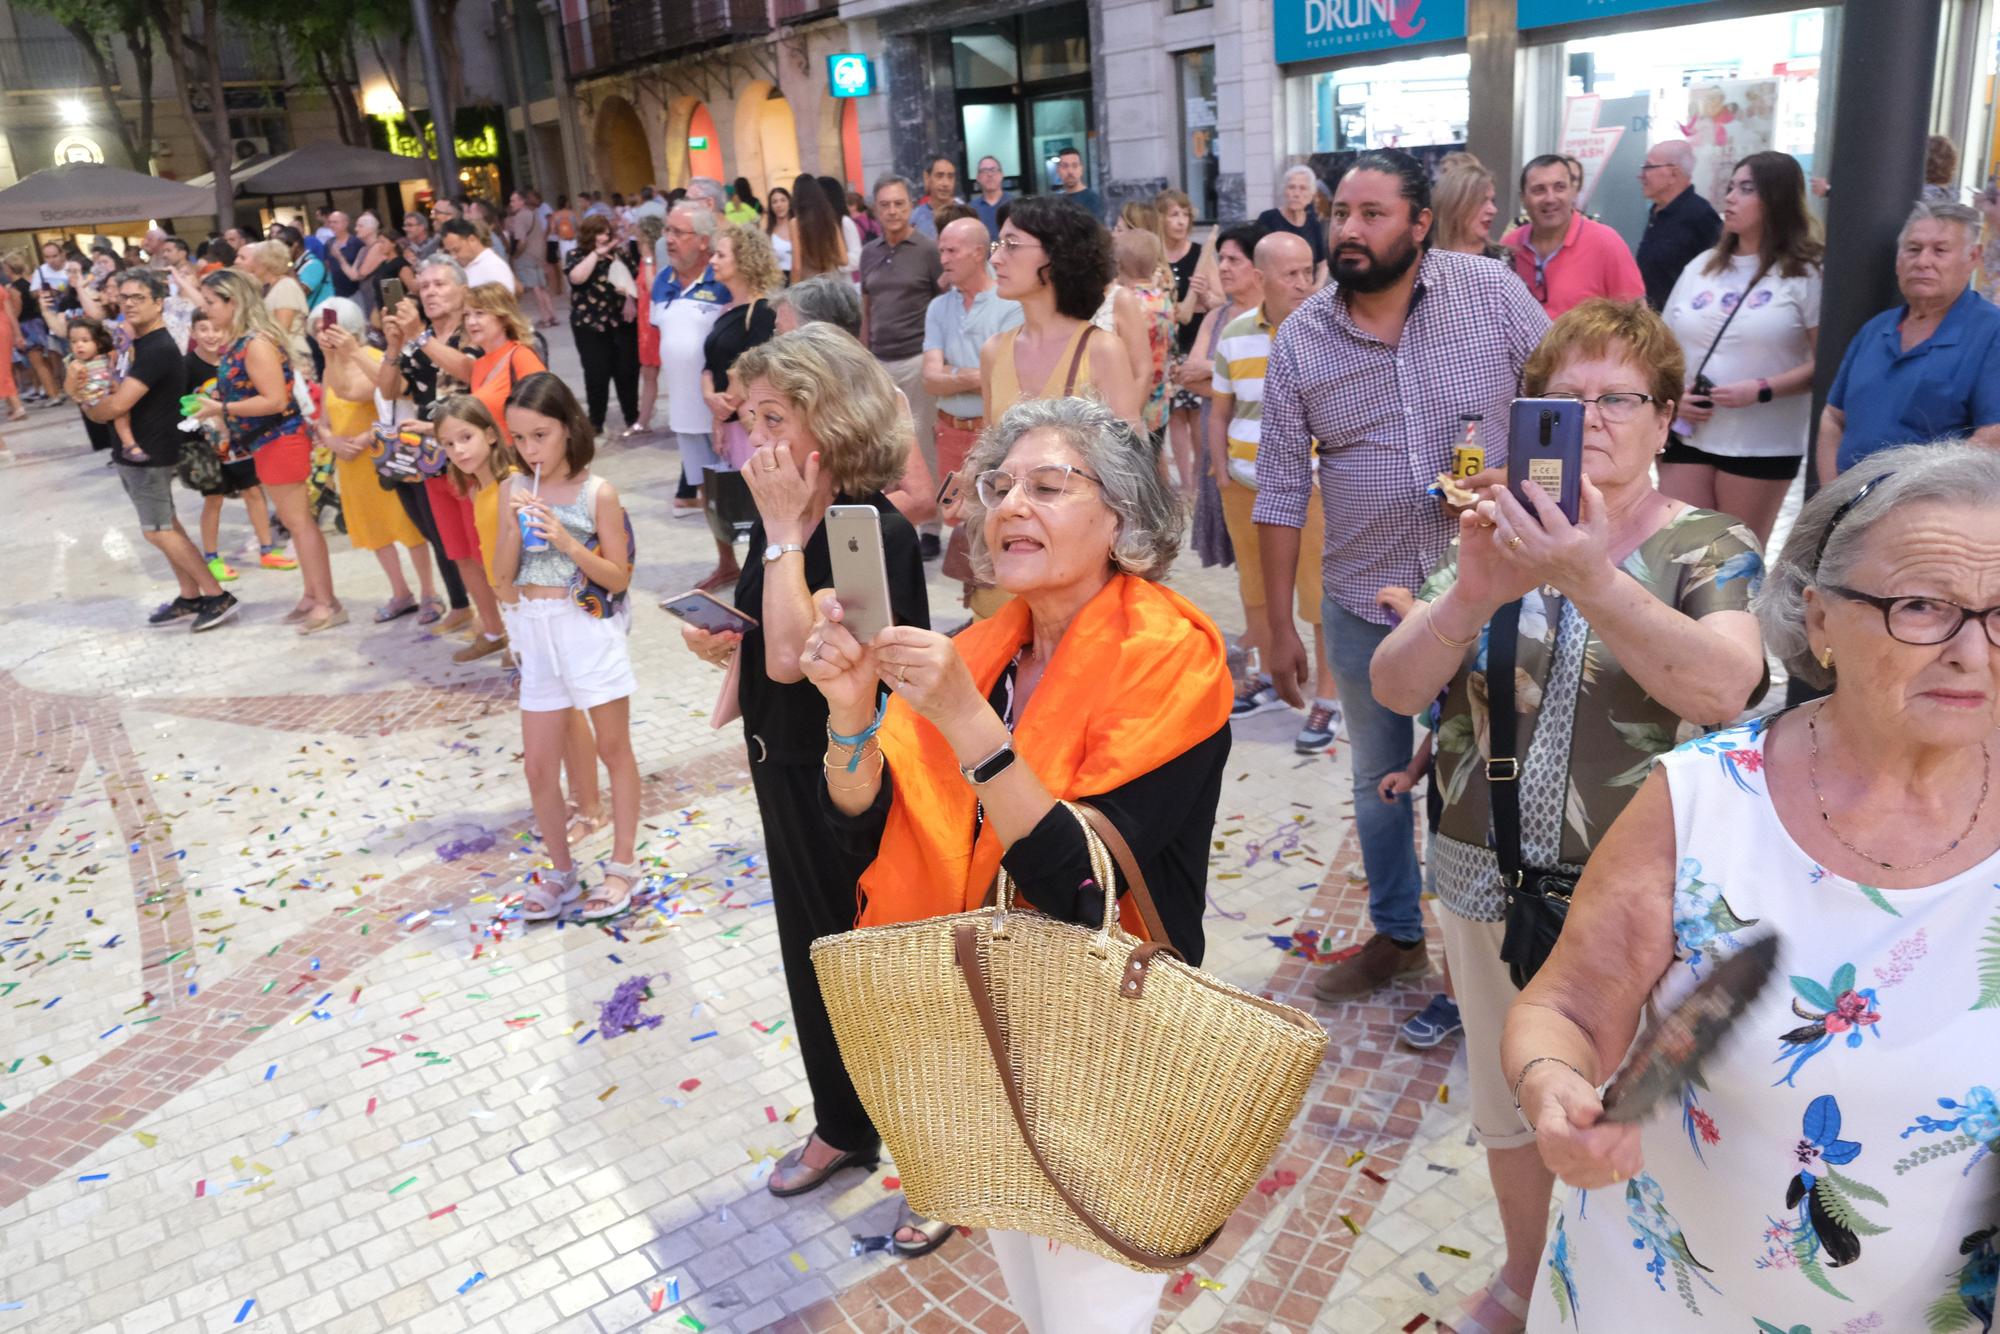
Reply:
x=1378 y=368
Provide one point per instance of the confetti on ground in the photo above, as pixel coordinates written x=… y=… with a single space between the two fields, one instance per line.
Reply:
x=1416 y=1322
x=466 y=1286
x=448 y=1209
x=1181 y=1283
x=621 y=1013
x=701 y=1037
x=1211 y=1285
x=659 y=1299
x=270 y=1073
x=1444 y=1093
x=1424 y=1280
x=693 y=1324
x=243 y=1312
x=1352 y=1226
x=1356 y=1156
x=690 y=1085
x=1453 y=1250
x=408 y=1181
x=607 y=1093
x=96 y=1176
x=799 y=1262
x=1374 y=1176
x=892 y=1183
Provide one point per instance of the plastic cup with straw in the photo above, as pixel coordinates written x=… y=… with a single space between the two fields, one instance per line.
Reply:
x=532 y=538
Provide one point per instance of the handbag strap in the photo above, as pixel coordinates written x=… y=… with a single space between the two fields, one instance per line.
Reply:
x=965 y=945
x=1128 y=867
x=1730 y=318
x=1076 y=361
x=1503 y=769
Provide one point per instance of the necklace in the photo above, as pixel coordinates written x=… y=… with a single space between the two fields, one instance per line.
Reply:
x=1812 y=773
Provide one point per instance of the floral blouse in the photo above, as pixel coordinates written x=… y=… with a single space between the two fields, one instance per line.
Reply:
x=598 y=306
x=1700 y=562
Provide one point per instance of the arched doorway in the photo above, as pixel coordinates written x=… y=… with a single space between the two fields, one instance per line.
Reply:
x=624 y=161
x=850 y=145
x=704 y=150
x=767 y=138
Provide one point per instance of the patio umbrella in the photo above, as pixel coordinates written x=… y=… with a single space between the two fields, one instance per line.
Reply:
x=328 y=166
x=88 y=194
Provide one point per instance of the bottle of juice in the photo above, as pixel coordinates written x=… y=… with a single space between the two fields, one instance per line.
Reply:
x=1469 y=456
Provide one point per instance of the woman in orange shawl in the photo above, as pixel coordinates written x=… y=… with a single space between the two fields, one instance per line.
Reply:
x=1095 y=683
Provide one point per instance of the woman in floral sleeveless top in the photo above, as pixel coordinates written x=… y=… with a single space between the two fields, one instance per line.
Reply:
x=1831 y=1167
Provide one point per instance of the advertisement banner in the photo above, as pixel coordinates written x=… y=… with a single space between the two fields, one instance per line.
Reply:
x=1323 y=29
x=1727 y=121
x=1547 y=13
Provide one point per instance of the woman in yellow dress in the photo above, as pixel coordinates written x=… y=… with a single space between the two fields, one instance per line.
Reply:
x=375 y=520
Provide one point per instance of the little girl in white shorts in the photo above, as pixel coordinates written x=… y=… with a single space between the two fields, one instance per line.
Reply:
x=568 y=633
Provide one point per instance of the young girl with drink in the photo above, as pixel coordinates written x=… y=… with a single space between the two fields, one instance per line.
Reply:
x=568 y=552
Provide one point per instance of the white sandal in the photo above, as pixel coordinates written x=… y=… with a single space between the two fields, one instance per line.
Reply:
x=626 y=871
x=539 y=883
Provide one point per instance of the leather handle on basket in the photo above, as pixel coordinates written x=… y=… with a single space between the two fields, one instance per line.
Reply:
x=1128 y=866
x=965 y=945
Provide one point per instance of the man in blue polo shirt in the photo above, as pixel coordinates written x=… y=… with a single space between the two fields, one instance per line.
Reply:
x=1928 y=369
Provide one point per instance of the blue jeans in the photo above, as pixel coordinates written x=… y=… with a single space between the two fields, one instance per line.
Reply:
x=1382 y=742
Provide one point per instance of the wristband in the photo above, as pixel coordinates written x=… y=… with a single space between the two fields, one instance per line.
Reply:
x=1522 y=1078
x=854 y=760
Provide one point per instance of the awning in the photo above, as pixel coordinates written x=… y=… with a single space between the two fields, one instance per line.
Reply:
x=89 y=194
x=323 y=166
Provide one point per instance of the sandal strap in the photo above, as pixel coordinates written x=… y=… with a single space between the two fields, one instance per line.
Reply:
x=626 y=871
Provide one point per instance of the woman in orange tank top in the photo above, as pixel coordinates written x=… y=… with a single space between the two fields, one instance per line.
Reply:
x=1055 y=260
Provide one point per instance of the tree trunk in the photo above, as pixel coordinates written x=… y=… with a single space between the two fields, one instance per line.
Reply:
x=139 y=41
x=107 y=83
x=224 y=155
x=445 y=23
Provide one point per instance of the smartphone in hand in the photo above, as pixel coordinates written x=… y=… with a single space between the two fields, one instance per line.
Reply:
x=704 y=611
x=860 y=571
x=392 y=293
x=1545 y=446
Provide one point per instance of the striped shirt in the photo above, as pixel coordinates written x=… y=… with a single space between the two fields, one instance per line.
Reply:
x=1386 y=418
x=1242 y=350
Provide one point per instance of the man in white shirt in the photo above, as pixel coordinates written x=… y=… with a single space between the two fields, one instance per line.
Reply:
x=463 y=241
x=686 y=299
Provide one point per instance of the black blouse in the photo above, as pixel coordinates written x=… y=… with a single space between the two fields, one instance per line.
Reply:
x=1190 y=329
x=1312 y=231
x=734 y=333
x=1167 y=816
x=788 y=719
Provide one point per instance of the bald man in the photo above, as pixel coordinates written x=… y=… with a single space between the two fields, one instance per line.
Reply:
x=1681 y=223
x=956 y=325
x=1286 y=266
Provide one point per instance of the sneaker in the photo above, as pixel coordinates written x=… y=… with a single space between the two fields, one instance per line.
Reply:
x=1256 y=695
x=224 y=572
x=177 y=610
x=276 y=560
x=214 y=611
x=1433 y=1024
x=480 y=647
x=1318 y=732
x=1378 y=963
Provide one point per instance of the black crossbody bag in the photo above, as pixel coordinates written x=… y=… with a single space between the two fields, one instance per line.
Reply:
x=1537 y=900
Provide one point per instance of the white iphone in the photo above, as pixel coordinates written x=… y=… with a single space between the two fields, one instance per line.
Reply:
x=860 y=573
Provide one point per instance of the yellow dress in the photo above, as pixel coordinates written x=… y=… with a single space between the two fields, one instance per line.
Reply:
x=375 y=518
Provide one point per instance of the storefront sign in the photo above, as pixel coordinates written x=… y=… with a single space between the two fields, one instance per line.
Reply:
x=848 y=74
x=697 y=142
x=1546 y=13
x=482 y=145
x=1321 y=29
x=78 y=148
x=1587 y=141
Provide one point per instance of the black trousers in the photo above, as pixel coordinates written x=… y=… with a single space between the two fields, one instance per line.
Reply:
x=417 y=504
x=609 y=359
x=812 y=889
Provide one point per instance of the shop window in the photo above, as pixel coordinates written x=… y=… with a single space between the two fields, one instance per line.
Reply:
x=1186 y=6
x=993 y=129
x=984 y=56
x=1409 y=104
x=1195 y=72
x=1056 y=44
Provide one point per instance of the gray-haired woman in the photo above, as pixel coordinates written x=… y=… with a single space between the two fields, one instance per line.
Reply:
x=1830 y=1158
x=1295 y=214
x=1096 y=683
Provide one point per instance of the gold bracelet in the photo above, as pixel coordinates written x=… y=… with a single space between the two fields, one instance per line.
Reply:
x=853 y=758
x=862 y=786
x=1430 y=622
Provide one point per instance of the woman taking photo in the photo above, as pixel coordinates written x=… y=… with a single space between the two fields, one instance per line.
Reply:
x=257 y=404
x=778 y=227
x=1095 y=683
x=1747 y=317
x=1055 y=260
x=603 y=314
x=818 y=247
x=1833 y=1168
x=829 y=430
x=745 y=265
x=1633 y=622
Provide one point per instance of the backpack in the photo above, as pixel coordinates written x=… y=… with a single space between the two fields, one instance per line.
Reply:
x=596 y=600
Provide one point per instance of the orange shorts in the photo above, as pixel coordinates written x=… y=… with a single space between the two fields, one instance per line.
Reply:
x=286 y=461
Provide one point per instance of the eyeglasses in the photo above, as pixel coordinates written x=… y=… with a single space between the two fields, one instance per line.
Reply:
x=1046 y=484
x=1615 y=408
x=1841 y=513
x=1653 y=166
x=1924 y=620
x=1010 y=244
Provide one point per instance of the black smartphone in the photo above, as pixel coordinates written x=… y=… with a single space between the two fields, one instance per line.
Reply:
x=704 y=611
x=392 y=294
x=1545 y=446
x=944 y=489
x=860 y=571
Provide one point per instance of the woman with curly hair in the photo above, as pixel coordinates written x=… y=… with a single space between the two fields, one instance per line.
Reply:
x=745 y=264
x=1055 y=260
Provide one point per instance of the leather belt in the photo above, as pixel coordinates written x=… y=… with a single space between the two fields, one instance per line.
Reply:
x=961 y=423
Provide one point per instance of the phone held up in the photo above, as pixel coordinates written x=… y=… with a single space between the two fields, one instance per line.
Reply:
x=392 y=293
x=1545 y=446
x=860 y=573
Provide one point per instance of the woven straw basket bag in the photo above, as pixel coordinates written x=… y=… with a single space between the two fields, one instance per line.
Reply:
x=1075 y=1084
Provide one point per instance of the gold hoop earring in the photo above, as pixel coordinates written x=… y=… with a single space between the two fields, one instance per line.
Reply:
x=1826 y=658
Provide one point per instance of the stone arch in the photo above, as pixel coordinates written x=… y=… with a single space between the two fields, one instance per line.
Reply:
x=623 y=152
x=674 y=140
x=766 y=138
x=706 y=160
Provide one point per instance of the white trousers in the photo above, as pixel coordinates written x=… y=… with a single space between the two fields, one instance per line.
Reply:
x=1057 y=1289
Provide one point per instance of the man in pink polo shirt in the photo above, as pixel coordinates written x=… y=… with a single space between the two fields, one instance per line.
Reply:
x=1562 y=256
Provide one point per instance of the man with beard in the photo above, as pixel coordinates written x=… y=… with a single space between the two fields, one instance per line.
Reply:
x=1379 y=367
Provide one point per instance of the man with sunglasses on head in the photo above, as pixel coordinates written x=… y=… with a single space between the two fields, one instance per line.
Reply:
x=1564 y=257
x=150 y=394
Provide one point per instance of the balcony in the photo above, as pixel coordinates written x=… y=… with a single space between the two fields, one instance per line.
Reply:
x=44 y=64
x=800 y=11
x=634 y=32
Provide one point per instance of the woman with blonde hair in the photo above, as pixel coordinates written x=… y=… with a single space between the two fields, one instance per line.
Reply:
x=499 y=330
x=829 y=430
x=270 y=263
x=1196 y=291
x=1463 y=201
x=257 y=402
x=745 y=264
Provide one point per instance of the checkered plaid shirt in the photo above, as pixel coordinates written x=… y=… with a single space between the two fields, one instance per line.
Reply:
x=1386 y=418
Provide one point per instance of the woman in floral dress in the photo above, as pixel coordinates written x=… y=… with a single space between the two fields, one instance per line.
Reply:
x=1634 y=625
x=1832 y=1166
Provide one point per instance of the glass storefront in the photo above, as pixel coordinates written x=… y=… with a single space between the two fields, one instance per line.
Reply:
x=1195 y=76
x=1403 y=104
x=1023 y=88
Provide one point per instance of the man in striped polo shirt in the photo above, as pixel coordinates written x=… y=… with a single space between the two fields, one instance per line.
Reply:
x=1282 y=269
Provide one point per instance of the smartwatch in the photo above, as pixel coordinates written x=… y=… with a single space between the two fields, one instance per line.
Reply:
x=778 y=549
x=990 y=768
x=1763 y=391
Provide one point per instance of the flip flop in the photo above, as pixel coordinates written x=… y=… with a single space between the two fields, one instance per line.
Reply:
x=394 y=611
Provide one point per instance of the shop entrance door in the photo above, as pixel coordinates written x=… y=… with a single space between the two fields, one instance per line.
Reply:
x=1055 y=124
x=1023 y=86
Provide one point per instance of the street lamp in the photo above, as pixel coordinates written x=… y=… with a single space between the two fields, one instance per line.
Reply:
x=73 y=112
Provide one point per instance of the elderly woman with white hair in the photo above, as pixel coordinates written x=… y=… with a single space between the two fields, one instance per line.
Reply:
x=376 y=520
x=1832 y=1165
x=1095 y=683
x=1295 y=214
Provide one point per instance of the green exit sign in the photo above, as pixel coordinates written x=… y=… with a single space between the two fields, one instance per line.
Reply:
x=697 y=141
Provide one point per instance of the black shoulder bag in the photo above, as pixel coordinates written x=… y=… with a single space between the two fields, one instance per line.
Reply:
x=1537 y=900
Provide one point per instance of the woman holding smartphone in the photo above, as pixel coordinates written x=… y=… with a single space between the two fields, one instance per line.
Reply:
x=827 y=428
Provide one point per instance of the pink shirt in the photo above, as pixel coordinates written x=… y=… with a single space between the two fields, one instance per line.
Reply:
x=1592 y=261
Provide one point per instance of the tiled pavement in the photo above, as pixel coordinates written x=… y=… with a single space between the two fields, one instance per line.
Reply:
x=267 y=1035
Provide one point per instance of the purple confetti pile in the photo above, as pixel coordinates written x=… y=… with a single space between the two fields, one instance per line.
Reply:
x=621 y=1014
x=453 y=850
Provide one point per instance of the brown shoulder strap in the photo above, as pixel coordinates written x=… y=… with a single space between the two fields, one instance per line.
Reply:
x=1076 y=361
x=965 y=945
x=1128 y=867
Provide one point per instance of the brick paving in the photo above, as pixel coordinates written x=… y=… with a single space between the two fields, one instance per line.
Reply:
x=271 y=1037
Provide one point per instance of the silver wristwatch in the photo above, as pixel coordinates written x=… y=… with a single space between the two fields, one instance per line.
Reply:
x=777 y=549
